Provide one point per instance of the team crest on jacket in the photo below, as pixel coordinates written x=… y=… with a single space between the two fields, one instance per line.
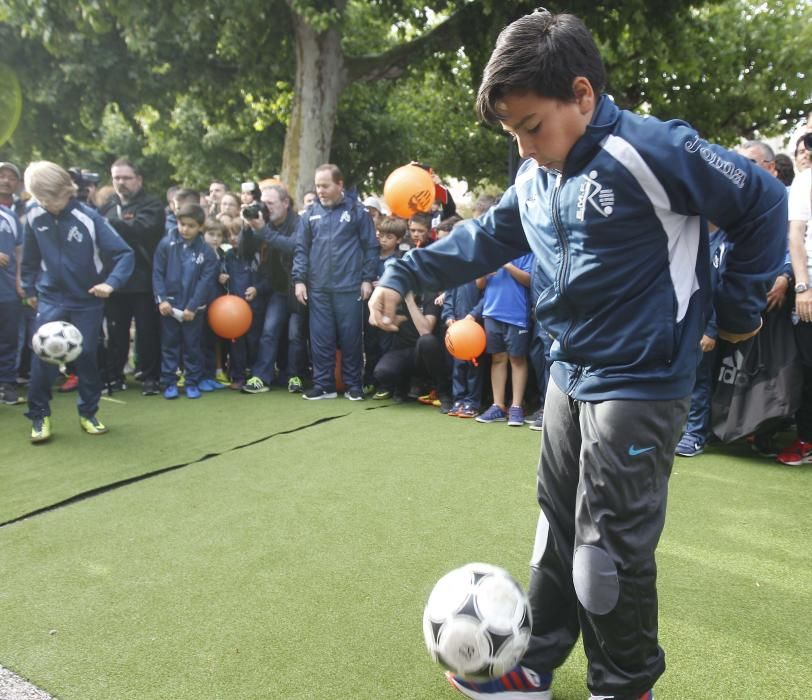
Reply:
x=345 y=218
x=74 y=234
x=600 y=198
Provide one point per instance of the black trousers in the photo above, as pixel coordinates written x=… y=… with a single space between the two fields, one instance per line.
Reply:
x=121 y=308
x=602 y=487
x=396 y=367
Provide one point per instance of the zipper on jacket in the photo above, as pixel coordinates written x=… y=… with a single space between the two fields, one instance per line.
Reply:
x=575 y=379
x=565 y=257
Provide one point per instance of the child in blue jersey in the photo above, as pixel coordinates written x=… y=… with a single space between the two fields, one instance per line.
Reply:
x=615 y=208
x=184 y=272
x=72 y=260
x=504 y=307
x=214 y=233
x=247 y=276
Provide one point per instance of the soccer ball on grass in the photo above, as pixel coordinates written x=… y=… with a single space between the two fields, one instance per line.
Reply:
x=477 y=621
x=57 y=342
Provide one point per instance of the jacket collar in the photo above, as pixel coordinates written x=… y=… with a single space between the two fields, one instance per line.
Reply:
x=602 y=124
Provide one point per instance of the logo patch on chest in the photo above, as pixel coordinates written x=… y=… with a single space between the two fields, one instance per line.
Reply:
x=74 y=234
x=600 y=198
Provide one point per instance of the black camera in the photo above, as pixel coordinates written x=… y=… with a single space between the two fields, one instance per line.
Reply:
x=254 y=211
x=808 y=141
x=84 y=180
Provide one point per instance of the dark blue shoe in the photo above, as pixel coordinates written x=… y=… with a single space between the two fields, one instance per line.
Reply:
x=494 y=414
x=192 y=392
x=520 y=683
x=171 y=392
x=688 y=446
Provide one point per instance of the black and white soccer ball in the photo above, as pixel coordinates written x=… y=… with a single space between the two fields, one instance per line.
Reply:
x=57 y=342
x=477 y=621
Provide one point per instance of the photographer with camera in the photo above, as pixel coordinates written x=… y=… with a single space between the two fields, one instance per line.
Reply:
x=139 y=219
x=274 y=220
x=87 y=183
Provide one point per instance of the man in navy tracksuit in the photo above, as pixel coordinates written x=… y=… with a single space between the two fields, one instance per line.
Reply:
x=184 y=271
x=11 y=243
x=65 y=276
x=614 y=206
x=333 y=268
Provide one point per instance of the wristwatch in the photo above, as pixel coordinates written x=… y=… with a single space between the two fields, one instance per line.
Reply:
x=801 y=287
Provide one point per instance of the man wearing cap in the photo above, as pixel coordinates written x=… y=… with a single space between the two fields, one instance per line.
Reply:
x=374 y=209
x=139 y=219
x=10 y=179
x=11 y=245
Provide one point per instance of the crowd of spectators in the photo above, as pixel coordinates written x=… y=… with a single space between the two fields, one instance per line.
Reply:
x=306 y=272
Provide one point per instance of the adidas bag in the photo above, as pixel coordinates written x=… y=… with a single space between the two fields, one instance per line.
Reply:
x=758 y=382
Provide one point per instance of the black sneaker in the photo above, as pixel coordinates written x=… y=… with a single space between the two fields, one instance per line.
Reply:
x=10 y=395
x=352 y=395
x=150 y=388
x=764 y=445
x=533 y=417
x=315 y=394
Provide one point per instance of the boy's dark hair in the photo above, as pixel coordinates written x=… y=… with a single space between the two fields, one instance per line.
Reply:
x=183 y=195
x=423 y=218
x=449 y=223
x=784 y=169
x=541 y=53
x=192 y=211
x=215 y=225
x=393 y=225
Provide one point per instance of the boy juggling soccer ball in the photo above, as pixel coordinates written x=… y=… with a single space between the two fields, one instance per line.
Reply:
x=65 y=277
x=614 y=206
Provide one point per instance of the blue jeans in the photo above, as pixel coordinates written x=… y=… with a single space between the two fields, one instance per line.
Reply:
x=699 y=415
x=89 y=321
x=336 y=321
x=466 y=383
x=280 y=324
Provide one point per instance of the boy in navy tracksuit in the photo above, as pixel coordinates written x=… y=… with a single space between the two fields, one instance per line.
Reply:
x=11 y=242
x=184 y=272
x=697 y=429
x=614 y=206
x=466 y=377
x=246 y=271
x=65 y=277
x=333 y=268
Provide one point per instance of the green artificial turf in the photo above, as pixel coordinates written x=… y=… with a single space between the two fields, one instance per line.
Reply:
x=298 y=567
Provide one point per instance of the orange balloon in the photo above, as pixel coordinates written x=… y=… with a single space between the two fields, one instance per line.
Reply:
x=230 y=316
x=408 y=190
x=465 y=339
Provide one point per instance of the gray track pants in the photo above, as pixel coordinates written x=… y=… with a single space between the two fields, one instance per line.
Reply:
x=602 y=487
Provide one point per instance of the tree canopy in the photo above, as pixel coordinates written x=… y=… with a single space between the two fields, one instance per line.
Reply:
x=205 y=89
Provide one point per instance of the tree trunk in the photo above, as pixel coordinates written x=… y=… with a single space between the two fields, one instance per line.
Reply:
x=320 y=79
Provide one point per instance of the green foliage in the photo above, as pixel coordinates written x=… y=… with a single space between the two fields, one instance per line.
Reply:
x=204 y=89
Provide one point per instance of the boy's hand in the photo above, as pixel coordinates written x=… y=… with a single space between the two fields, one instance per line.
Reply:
x=223 y=278
x=777 y=295
x=440 y=299
x=250 y=293
x=382 y=307
x=188 y=315
x=300 y=292
x=366 y=290
x=101 y=290
x=738 y=337
x=31 y=301
x=706 y=343
x=4 y=260
x=165 y=308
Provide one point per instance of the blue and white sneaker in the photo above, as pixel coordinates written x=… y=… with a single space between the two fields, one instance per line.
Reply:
x=493 y=415
x=688 y=446
x=519 y=683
